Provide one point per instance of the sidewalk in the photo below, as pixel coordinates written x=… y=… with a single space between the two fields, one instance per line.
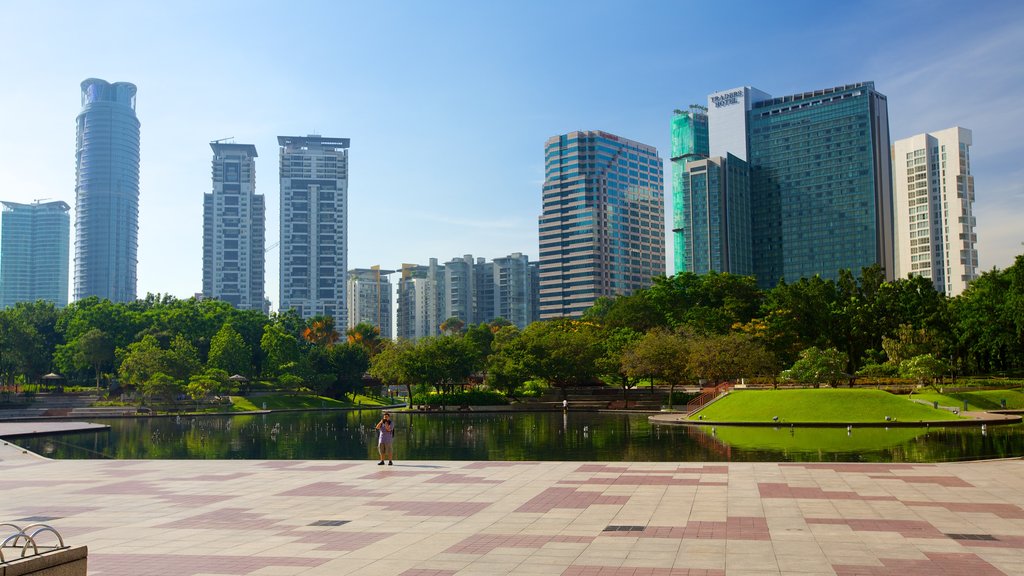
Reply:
x=197 y=518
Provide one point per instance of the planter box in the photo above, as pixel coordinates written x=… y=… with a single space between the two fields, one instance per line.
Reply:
x=63 y=562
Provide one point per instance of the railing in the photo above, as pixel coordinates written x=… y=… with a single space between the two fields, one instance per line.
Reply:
x=706 y=396
x=29 y=535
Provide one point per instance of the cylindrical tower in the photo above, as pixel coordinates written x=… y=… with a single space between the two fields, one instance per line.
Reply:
x=107 y=192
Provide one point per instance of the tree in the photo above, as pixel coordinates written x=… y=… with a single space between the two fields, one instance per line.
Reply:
x=728 y=357
x=908 y=343
x=613 y=364
x=366 y=335
x=924 y=367
x=508 y=365
x=452 y=325
x=659 y=354
x=95 y=350
x=320 y=331
x=161 y=385
x=443 y=362
x=816 y=366
x=229 y=352
x=563 y=352
x=140 y=361
x=17 y=342
x=280 y=348
x=182 y=359
x=349 y=362
x=394 y=364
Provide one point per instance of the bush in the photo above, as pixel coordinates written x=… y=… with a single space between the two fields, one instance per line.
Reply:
x=532 y=389
x=462 y=398
x=681 y=398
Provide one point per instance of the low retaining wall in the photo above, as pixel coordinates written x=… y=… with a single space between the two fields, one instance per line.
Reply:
x=60 y=562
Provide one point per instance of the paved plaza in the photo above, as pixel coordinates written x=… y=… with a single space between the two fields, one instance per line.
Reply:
x=197 y=518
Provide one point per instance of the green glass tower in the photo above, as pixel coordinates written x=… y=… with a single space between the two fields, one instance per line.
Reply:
x=716 y=224
x=689 y=143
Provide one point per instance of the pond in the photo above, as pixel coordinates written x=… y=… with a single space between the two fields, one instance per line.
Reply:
x=517 y=436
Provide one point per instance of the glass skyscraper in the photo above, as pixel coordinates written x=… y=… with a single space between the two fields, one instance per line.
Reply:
x=715 y=226
x=602 y=224
x=821 y=189
x=107 y=192
x=689 y=142
x=234 y=229
x=34 y=240
x=314 y=226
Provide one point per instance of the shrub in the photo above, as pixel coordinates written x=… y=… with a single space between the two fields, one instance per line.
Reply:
x=532 y=389
x=462 y=398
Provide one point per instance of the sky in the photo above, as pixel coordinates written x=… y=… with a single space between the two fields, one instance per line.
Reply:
x=448 y=104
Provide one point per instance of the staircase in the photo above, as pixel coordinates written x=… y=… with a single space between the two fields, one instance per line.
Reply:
x=706 y=397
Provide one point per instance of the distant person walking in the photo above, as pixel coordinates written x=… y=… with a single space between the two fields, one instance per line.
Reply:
x=386 y=440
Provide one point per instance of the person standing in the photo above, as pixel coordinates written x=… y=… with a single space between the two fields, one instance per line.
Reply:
x=386 y=440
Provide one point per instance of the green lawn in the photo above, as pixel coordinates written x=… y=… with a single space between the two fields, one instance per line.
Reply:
x=828 y=440
x=822 y=405
x=298 y=401
x=981 y=400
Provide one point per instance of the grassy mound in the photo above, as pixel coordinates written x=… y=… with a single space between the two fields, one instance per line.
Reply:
x=292 y=402
x=820 y=406
x=980 y=400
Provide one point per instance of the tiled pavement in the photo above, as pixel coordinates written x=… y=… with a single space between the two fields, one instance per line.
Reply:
x=200 y=518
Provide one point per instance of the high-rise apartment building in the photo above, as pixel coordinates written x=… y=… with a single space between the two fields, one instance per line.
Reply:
x=461 y=280
x=821 y=184
x=689 y=143
x=234 y=229
x=715 y=226
x=933 y=193
x=514 y=285
x=314 y=225
x=369 y=299
x=34 y=250
x=107 y=192
x=602 y=225
x=421 y=301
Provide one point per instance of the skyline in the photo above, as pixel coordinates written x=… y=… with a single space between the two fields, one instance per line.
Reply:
x=448 y=110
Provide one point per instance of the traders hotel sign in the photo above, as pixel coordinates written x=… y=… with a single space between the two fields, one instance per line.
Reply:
x=727 y=99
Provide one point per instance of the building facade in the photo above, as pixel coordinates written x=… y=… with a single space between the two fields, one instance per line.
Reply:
x=107 y=192
x=234 y=229
x=689 y=143
x=34 y=253
x=821 y=185
x=602 y=224
x=715 y=228
x=369 y=299
x=513 y=288
x=933 y=193
x=728 y=120
x=314 y=226
x=421 y=301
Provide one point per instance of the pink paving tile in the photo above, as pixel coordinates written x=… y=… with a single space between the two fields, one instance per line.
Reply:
x=948 y=481
x=855 y=467
x=937 y=564
x=305 y=466
x=427 y=572
x=210 y=477
x=231 y=518
x=610 y=468
x=455 y=478
x=568 y=498
x=194 y=500
x=638 y=480
x=629 y=571
x=734 y=528
x=137 y=487
x=15 y=484
x=481 y=465
x=1001 y=541
x=906 y=528
x=58 y=511
x=1000 y=510
x=339 y=541
x=433 y=508
x=484 y=543
x=385 y=473
x=188 y=565
x=778 y=490
x=331 y=489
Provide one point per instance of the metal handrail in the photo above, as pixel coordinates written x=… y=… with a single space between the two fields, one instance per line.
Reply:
x=29 y=539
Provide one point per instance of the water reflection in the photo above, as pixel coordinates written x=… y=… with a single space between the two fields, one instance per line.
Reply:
x=517 y=436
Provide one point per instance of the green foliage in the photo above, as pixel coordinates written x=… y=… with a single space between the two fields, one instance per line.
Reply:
x=508 y=365
x=532 y=389
x=471 y=397
x=841 y=406
x=923 y=368
x=728 y=357
x=160 y=386
x=229 y=352
x=563 y=352
x=817 y=366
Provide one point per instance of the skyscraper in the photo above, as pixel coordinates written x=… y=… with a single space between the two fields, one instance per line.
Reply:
x=314 y=226
x=934 y=207
x=821 y=188
x=715 y=225
x=107 y=192
x=369 y=299
x=689 y=143
x=602 y=225
x=728 y=121
x=421 y=301
x=234 y=229
x=514 y=279
x=34 y=240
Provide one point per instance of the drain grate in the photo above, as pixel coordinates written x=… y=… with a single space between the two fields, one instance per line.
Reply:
x=987 y=537
x=39 y=519
x=329 y=522
x=614 y=528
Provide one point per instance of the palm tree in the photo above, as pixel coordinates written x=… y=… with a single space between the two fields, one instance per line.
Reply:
x=320 y=331
x=366 y=335
x=452 y=325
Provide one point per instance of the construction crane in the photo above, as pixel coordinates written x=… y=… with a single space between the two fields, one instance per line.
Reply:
x=272 y=246
x=218 y=141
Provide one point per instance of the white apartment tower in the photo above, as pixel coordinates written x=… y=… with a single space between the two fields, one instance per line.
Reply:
x=933 y=193
x=234 y=229
x=369 y=299
x=314 y=226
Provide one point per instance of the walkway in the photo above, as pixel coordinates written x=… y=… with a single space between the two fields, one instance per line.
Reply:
x=198 y=518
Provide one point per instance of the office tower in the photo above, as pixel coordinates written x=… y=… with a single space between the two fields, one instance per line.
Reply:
x=602 y=225
x=512 y=290
x=34 y=240
x=234 y=229
x=421 y=301
x=934 y=209
x=107 y=192
x=728 y=120
x=314 y=224
x=821 y=191
x=715 y=226
x=369 y=299
x=689 y=143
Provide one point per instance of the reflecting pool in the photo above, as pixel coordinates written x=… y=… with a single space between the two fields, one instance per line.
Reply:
x=517 y=436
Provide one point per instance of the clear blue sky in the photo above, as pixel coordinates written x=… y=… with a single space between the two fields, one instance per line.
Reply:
x=448 y=104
